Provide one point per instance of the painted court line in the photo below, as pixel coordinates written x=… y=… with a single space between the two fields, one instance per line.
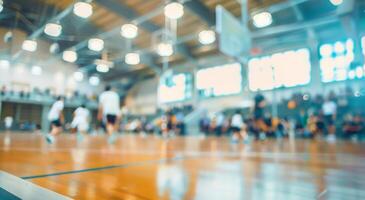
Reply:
x=134 y=164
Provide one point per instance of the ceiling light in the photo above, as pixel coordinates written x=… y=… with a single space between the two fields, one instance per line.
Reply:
x=54 y=48
x=4 y=64
x=129 y=31
x=94 y=80
x=174 y=10
x=206 y=37
x=69 y=56
x=132 y=58
x=78 y=76
x=102 y=68
x=262 y=19
x=336 y=2
x=96 y=44
x=165 y=49
x=53 y=29
x=1 y=5
x=36 y=70
x=83 y=9
x=29 y=45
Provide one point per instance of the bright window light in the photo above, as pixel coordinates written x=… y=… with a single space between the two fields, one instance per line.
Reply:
x=36 y=70
x=175 y=88
x=83 y=9
x=174 y=10
x=336 y=2
x=29 y=45
x=206 y=37
x=96 y=44
x=53 y=29
x=165 y=49
x=271 y=72
x=78 y=76
x=102 y=68
x=220 y=80
x=129 y=31
x=335 y=61
x=262 y=19
x=69 y=56
x=4 y=64
x=94 y=80
x=132 y=58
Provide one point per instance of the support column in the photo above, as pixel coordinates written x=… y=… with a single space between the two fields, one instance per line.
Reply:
x=45 y=123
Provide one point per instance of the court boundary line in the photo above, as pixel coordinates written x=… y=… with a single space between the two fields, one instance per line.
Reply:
x=126 y=165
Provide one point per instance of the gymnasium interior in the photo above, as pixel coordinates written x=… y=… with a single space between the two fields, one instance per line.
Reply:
x=182 y=99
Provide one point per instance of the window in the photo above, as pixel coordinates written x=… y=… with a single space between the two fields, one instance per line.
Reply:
x=286 y=69
x=336 y=61
x=175 y=88
x=219 y=81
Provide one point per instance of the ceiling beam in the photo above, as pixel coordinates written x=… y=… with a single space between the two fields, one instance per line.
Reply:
x=203 y=12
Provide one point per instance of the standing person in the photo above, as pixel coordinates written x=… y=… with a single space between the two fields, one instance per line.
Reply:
x=219 y=124
x=109 y=107
x=81 y=121
x=259 y=116
x=329 y=109
x=55 y=116
x=237 y=126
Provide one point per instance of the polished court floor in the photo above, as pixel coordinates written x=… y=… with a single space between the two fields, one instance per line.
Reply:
x=197 y=168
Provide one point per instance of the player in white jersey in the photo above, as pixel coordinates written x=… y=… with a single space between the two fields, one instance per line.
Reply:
x=55 y=116
x=109 y=111
x=81 y=121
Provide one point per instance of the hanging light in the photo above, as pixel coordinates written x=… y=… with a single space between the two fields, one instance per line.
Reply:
x=206 y=37
x=78 y=76
x=36 y=70
x=165 y=49
x=83 y=9
x=336 y=2
x=29 y=45
x=94 y=80
x=69 y=56
x=53 y=29
x=174 y=10
x=129 y=31
x=132 y=58
x=96 y=44
x=262 y=19
x=4 y=64
x=102 y=68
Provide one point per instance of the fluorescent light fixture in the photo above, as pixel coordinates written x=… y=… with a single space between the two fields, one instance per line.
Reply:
x=206 y=37
x=1 y=5
x=36 y=70
x=96 y=44
x=83 y=9
x=262 y=19
x=94 y=80
x=174 y=10
x=102 y=68
x=53 y=29
x=69 y=56
x=336 y=2
x=29 y=45
x=4 y=64
x=129 y=31
x=165 y=49
x=78 y=76
x=132 y=58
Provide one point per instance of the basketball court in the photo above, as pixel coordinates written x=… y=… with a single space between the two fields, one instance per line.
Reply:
x=182 y=99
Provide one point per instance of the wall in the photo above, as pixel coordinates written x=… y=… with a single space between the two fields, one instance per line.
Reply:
x=57 y=74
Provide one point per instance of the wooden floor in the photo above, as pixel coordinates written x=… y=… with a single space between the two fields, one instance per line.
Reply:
x=187 y=168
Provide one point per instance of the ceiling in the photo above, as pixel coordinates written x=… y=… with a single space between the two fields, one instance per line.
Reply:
x=294 y=20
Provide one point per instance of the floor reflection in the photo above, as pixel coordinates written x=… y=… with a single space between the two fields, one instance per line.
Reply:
x=172 y=181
